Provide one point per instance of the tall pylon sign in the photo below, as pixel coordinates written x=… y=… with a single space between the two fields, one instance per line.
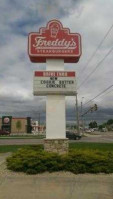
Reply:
x=54 y=45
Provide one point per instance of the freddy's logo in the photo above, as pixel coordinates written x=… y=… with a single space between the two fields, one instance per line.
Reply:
x=54 y=30
x=54 y=41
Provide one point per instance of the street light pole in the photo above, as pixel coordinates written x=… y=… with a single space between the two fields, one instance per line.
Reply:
x=39 y=121
x=77 y=116
x=82 y=122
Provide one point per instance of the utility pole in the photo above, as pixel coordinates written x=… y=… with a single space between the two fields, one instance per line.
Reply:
x=82 y=121
x=77 y=116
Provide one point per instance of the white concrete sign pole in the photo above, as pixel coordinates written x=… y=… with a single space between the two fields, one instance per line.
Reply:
x=55 y=107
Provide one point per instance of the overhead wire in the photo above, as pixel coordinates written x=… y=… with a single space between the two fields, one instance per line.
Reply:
x=97 y=66
x=99 y=94
x=100 y=44
x=107 y=93
x=101 y=100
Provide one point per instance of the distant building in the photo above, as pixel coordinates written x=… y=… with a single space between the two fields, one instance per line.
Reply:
x=16 y=125
x=37 y=128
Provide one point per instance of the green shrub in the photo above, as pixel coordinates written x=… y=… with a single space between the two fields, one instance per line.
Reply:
x=33 y=160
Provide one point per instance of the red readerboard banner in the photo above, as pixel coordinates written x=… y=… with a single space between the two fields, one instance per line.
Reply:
x=54 y=42
x=54 y=74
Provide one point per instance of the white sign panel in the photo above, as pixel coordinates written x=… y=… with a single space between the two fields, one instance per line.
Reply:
x=54 y=82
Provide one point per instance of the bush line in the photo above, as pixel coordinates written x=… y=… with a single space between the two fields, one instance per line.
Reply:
x=34 y=160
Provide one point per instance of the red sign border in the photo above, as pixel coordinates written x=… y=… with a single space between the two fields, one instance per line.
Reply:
x=42 y=58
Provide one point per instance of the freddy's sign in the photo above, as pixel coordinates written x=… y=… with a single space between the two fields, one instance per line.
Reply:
x=54 y=42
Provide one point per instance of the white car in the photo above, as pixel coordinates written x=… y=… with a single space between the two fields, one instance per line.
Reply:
x=89 y=130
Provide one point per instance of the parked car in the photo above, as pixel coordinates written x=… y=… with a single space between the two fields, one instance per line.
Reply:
x=89 y=130
x=73 y=136
x=104 y=130
x=4 y=132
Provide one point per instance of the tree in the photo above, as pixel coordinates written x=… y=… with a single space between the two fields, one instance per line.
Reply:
x=93 y=124
x=101 y=126
x=109 y=122
x=18 y=125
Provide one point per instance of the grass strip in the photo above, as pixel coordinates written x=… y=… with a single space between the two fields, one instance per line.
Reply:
x=82 y=146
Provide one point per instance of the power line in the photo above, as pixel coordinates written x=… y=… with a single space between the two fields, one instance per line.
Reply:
x=99 y=94
x=107 y=93
x=89 y=60
x=97 y=66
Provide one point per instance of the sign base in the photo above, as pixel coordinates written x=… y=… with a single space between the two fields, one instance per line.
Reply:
x=59 y=146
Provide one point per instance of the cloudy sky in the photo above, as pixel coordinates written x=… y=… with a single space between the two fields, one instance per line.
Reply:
x=92 y=19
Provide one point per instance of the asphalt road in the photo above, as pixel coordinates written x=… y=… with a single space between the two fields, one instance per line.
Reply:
x=96 y=138
x=20 y=141
x=101 y=138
